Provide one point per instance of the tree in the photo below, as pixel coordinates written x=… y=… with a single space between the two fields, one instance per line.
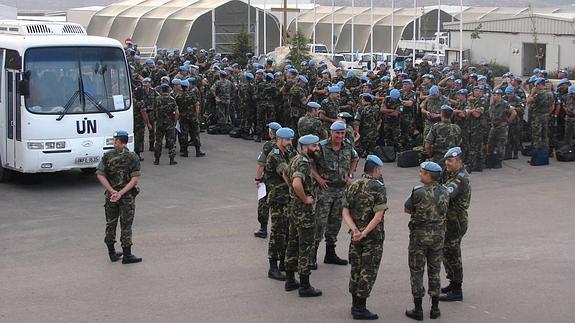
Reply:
x=299 y=51
x=242 y=45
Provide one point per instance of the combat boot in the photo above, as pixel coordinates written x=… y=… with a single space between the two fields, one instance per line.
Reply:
x=172 y=161
x=361 y=312
x=129 y=258
x=331 y=257
x=274 y=272
x=417 y=312
x=313 y=262
x=454 y=295
x=435 y=312
x=157 y=161
x=114 y=256
x=199 y=153
x=262 y=232
x=447 y=288
x=307 y=290
x=291 y=282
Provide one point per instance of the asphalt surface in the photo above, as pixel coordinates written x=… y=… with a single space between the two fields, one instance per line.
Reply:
x=194 y=228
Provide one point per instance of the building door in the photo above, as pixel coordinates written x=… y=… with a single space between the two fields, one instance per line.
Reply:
x=534 y=56
x=12 y=104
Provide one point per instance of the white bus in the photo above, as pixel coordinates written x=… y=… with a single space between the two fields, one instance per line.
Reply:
x=62 y=95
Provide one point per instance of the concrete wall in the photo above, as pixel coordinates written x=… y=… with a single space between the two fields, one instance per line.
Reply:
x=507 y=49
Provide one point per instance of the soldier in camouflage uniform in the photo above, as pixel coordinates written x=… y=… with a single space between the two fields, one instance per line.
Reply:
x=189 y=123
x=456 y=179
x=368 y=121
x=310 y=123
x=334 y=168
x=222 y=91
x=119 y=173
x=166 y=116
x=320 y=91
x=301 y=218
x=460 y=118
x=541 y=103
x=409 y=69
x=144 y=96
x=392 y=109
x=278 y=199
x=329 y=107
x=442 y=136
x=478 y=108
x=263 y=206
x=514 y=133
x=427 y=205
x=299 y=97
x=501 y=115
x=364 y=205
x=570 y=116
x=431 y=109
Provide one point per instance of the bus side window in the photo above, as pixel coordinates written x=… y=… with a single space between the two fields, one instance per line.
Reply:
x=1 y=71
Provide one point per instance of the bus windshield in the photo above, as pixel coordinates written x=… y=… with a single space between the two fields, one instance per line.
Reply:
x=74 y=80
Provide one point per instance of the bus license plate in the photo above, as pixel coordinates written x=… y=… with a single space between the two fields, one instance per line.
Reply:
x=87 y=160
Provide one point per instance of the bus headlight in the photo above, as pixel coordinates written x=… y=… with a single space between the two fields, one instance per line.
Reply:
x=60 y=145
x=109 y=141
x=35 y=145
x=50 y=145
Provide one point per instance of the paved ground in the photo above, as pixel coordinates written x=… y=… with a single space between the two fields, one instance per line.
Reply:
x=194 y=227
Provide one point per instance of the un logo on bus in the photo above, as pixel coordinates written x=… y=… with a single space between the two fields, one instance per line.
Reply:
x=86 y=126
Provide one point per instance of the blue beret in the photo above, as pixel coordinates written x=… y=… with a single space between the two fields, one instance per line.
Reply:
x=270 y=75
x=274 y=126
x=165 y=86
x=510 y=89
x=136 y=57
x=344 y=115
x=453 y=152
x=340 y=84
x=326 y=72
x=334 y=89
x=223 y=73
x=431 y=167
x=196 y=67
x=445 y=69
x=479 y=87
x=519 y=79
x=498 y=91
x=434 y=90
x=564 y=81
x=571 y=90
x=463 y=91
x=404 y=75
x=278 y=74
x=192 y=80
x=367 y=96
x=386 y=78
x=337 y=126
x=293 y=71
x=308 y=140
x=303 y=64
x=285 y=133
x=311 y=62
x=260 y=71
x=374 y=160
x=350 y=74
x=234 y=65
x=539 y=80
x=176 y=82
x=446 y=107
x=160 y=62
x=313 y=105
x=147 y=79
x=250 y=75
x=183 y=68
x=165 y=78
x=121 y=133
x=338 y=69
x=395 y=94
x=481 y=78
x=185 y=83
x=458 y=81
x=408 y=81
x=303 y=79
x=149 y=61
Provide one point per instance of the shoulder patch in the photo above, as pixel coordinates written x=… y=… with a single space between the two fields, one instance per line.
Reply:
x=416 y=187
x=277 y=151
x=324 y=142
x=461 y=174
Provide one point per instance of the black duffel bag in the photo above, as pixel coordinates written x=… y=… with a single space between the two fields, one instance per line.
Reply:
x=409 y=158
x=565 y=154
x=385 y=153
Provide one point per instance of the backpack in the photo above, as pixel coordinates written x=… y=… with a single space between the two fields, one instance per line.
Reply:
x=565 y=154
x=408 y=158
x=539 y=157
x=236 y=132
x=492 y=161
x=219 y=129
x=527 y=150
x=385 y=153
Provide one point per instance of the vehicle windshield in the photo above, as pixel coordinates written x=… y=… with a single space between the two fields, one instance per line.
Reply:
x=321 y=49
x=75 y=80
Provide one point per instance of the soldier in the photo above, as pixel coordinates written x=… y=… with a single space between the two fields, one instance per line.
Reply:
x=247 y=105
x=301 y=218
x=278 y=199
x=514 y=131
x=409 y=69
x=145 y=97
x=456 y=179
x=350 y=134
x=222 y=91
x=364 y=205
x=330 y=107
x=263 y=207
x=442 y=136
x=166 y=116
x=299 y=97
x=310 y=123
x=119 y=173
x=427 y=205
x=431 y=109
x=333 y=171
x=368 y=121
x=320 y=91
x=391 y=109
x=460 y=118
x=476 y=115
x=501 y=115
x=570 y=116
x=189 y=123
x=541 y=104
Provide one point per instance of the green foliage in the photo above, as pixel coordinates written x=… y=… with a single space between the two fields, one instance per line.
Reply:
x=476 y=32
x=496 y=69
x=242 y=45
x=299 y=51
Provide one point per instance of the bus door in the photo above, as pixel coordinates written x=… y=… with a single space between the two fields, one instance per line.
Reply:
x=13 y=115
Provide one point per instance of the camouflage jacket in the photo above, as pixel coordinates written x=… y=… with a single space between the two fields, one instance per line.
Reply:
x=310 y=125
x=542 y=101
x=330 y=109
x=428 y=205
x=300 y=166
x=119 y=166
x=224 y=89
x=298 y=96
x=459 y=189
x=276 y=166
x=166 y=107
x=499 y=113
x=364 y=198
x=369 y=118
x=334 y=166
x=443 y=135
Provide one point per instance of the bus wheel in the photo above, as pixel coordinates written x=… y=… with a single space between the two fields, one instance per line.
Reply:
x=88 y=171
x=5 y=174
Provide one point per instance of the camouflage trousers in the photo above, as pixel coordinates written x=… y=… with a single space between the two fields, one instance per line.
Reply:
x=569 y=131
x=425 y=246
x=364 y=257
x=367 y=143
x=222 y=113
x=456 y=229
x=264 y=115
x=152 y=132
x=513 y=139
x=190 y=134
x=301 y=238
x=476 y=151
x=328 y=215
x=248 y=117
x=139 y=136
x=279 y=230
x=263 y=211
x=169 y=132
x=124 y=211
x=497 y=142
x=540 y=131
x=426 y=128
x=392 y=135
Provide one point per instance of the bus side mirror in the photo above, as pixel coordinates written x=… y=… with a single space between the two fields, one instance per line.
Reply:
x=24 y=87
